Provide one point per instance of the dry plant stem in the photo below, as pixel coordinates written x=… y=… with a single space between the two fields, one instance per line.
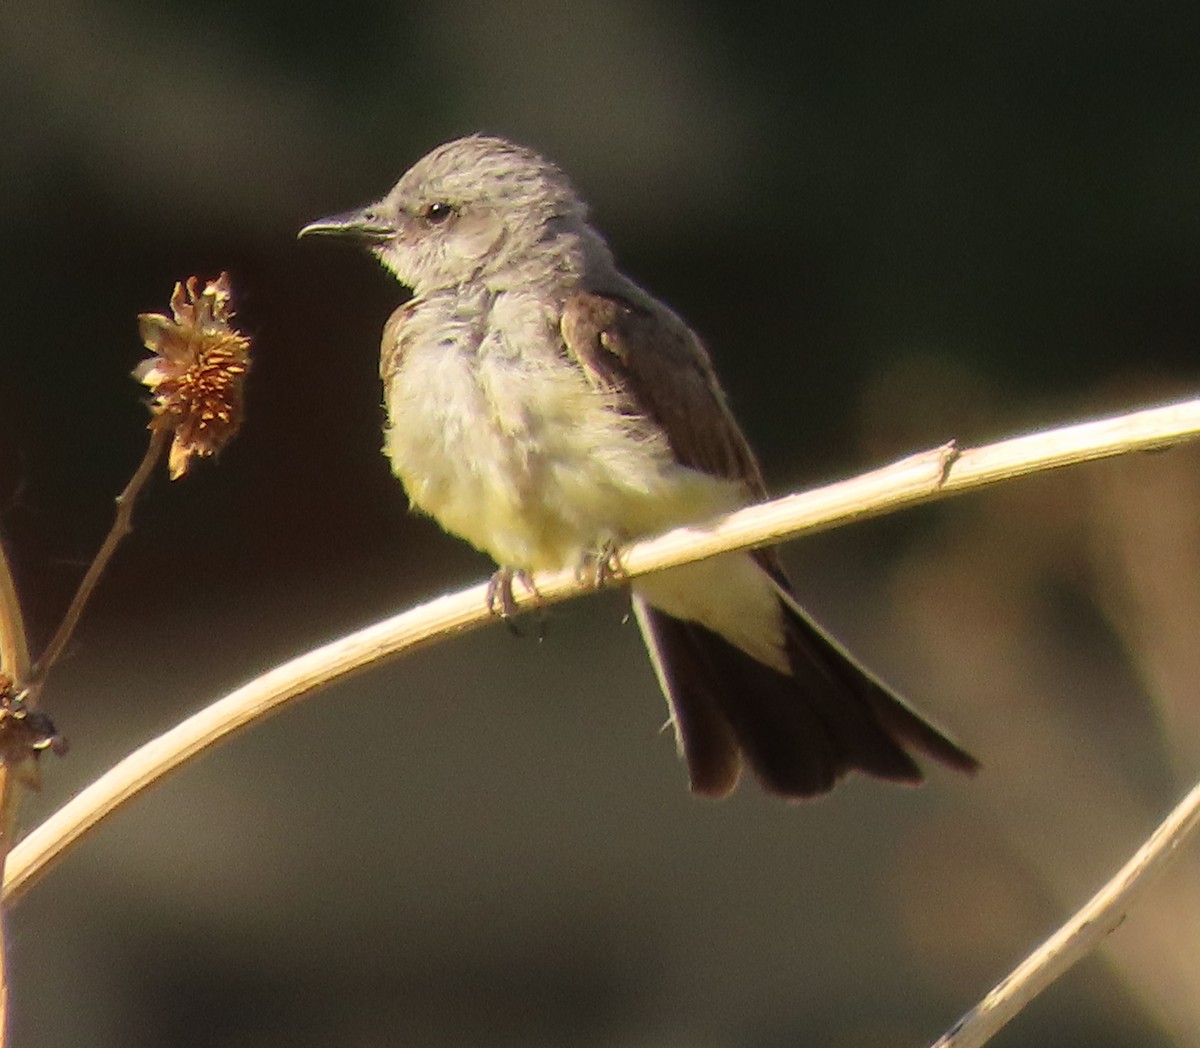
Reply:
x=14 y=661
x=121 y=526
x=920 y=478
x=14 y=649
x=1102 y=915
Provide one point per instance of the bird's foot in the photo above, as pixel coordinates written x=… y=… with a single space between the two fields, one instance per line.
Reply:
x=500 y=599
x=602 y=566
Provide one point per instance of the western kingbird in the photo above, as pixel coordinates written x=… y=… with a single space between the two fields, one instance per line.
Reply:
x=545 y=408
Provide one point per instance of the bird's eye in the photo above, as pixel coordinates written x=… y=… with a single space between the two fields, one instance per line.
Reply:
x=438 y=213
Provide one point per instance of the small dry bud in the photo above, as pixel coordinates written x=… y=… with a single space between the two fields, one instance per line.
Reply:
x=197 y=371
x=24 y=733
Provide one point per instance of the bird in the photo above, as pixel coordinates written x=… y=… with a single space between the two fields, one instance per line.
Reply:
x=545 y=408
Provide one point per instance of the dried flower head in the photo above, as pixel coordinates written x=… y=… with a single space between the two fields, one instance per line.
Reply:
x=197 y=371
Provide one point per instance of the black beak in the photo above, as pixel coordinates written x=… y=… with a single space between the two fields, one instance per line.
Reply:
x=364 y=224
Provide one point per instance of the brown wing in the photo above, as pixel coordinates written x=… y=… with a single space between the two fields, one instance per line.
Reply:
x=657 y=367
x=654 y=364
x=800 y=731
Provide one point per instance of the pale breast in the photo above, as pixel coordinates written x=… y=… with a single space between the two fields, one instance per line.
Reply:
x=498 y=436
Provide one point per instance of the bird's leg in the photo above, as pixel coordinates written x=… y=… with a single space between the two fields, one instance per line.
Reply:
x=602 y=566
x=500 y=599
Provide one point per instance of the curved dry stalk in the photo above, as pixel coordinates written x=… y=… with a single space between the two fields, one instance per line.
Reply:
x=407 y=631
x=1102 y=915
x=919 y=478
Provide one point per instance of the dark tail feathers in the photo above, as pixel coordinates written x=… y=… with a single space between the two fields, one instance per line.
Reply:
x=800 y=733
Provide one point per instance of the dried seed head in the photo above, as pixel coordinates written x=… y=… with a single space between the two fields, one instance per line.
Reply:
x=197 y=371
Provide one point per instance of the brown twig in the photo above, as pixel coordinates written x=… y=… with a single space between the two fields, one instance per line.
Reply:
x=27 y=679
x=122 y=525
x=196 y=373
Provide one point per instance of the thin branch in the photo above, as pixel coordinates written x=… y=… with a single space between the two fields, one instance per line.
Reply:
x=1101 y=916
x=405 y=632
x=14 y=663
x=14 y=648
x=219 y=356
x=919 y=478
x=4 y=983
x=122 y=525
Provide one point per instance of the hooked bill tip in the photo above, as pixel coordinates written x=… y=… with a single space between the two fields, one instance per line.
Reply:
x=320 y=226
x=358 y=225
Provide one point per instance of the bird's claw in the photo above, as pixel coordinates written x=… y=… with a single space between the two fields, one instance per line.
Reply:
x=602 y=567
x=501 y=601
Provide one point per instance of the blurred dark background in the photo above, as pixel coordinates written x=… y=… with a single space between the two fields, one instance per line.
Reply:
x=894 y=224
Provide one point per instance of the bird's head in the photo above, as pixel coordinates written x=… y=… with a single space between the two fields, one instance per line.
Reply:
x=476 y=208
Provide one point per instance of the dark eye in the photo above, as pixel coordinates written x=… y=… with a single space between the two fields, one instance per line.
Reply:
x=438 y=213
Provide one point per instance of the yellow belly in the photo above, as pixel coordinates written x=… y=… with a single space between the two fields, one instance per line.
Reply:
x=555 y=511
x=536 y=468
